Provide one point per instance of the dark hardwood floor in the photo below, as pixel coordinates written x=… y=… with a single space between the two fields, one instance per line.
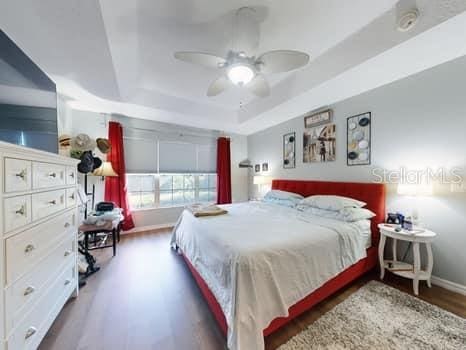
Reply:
x=145 y=298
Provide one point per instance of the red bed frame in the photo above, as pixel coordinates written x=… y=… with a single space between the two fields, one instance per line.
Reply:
x=372 y=194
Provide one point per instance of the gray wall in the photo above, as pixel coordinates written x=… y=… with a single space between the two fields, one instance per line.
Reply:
x=417 y=122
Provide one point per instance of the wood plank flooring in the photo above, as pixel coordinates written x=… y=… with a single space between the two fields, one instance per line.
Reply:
x=145 y=298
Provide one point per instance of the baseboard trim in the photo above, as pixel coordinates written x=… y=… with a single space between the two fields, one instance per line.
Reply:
x=149 y=227
x=454 y=287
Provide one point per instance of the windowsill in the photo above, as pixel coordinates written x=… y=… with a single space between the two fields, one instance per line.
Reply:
x=166 y=207
x=155 y=208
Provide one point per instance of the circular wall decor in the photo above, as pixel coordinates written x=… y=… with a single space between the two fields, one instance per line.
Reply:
x=358 y=135
x=363 y=144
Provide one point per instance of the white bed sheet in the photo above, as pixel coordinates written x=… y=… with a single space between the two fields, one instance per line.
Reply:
x=262 y=258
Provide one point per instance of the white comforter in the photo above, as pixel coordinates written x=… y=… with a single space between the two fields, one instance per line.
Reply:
x=260 y=259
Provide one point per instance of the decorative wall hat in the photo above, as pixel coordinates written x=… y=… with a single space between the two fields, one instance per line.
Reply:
x=64 y=141
x=83 y=142
x=103 y=145
x=87 y=163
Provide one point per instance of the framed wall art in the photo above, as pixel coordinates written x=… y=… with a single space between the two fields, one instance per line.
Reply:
x=265 y=166
x=316 y=119
x=319 y=144
x=257 y=168
x=289 y=150
x=358 y=139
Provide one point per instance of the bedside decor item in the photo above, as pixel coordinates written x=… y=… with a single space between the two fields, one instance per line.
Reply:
x=399 y=321
x=257 y=168
x=319 y=144
x=400 y=268
x=265 y=166
x=319 y=118
x=260 y=181
x=289 y=150
x=358 y=139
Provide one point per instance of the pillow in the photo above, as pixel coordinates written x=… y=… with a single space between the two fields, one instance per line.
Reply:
x=346 y=214
x=335 y=203
x=283 y=195
x=285 y=202
x=329 y=214
x=356 y=214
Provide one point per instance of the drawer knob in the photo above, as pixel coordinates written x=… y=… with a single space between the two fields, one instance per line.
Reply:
x=72 y=175
x=29 y=290
x=21 y=211
x=72 y=196
x=22 y=174
x=53 y=202
x=30 y=332
x=67 y=253
x=67 y=224
x=29 y=248
x=53 y=175
x=67 y=282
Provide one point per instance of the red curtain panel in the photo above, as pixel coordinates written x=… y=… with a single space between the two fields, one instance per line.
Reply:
x=115 y=187
x=223 y=171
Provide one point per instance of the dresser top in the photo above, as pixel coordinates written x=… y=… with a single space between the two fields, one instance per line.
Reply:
x=35 y=154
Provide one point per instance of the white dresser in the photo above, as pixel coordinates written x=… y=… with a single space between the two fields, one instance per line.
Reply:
x=38 y=245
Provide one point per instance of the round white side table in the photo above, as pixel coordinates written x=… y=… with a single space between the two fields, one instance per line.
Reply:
x=412 y=271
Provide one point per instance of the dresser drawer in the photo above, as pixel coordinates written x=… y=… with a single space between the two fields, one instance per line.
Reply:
x=71 y=197
x=16 y=212
x=71 y=175
x=18 y=175
x=47 y=203
x=32 y=328
x=27 y=290
x=26 y=249
x=47 y=175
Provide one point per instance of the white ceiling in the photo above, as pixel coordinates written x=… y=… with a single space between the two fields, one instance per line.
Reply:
x=117 y=55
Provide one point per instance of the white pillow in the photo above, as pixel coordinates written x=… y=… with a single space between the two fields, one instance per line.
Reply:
x=278 y=194
x=335 y=203
x=329 y=214
x=346 y=214
x=284 y=202
x=355 y=214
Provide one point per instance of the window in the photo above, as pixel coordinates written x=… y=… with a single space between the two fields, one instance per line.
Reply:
x=208 y=188
x=165 y=190
x=141 y=191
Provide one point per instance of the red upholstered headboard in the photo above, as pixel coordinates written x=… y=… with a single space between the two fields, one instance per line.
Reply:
x=372 y=194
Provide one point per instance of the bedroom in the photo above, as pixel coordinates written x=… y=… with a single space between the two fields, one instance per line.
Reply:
x=364 y=102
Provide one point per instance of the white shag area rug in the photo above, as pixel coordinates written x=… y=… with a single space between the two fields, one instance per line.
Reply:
x=380 y=317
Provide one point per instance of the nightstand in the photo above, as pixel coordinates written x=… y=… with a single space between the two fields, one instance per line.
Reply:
x=412 y=271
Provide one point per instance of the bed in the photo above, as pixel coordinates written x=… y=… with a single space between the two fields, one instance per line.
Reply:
x=261 y=265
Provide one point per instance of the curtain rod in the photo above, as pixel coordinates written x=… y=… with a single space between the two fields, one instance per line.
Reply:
x=171 y=132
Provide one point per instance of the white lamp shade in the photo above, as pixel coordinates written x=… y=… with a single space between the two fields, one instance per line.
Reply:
x=415 y=189
x=262 y=180
x=105 y=169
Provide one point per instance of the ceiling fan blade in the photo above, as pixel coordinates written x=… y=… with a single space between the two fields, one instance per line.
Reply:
x=280 y=61
x=204 y=59
x=218 y=86
x=259 y=86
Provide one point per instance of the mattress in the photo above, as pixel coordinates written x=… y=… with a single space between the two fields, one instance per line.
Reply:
x=262 y=258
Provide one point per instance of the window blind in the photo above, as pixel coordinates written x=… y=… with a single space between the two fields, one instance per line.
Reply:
x=207 y=158
x=140 y=155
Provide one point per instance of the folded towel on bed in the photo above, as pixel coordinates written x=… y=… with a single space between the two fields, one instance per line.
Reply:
x=205 y=210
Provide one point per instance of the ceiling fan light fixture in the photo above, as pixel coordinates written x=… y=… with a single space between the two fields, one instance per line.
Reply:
x=240 y=74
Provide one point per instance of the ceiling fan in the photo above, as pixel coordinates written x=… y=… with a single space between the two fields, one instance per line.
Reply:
x=239 y=68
